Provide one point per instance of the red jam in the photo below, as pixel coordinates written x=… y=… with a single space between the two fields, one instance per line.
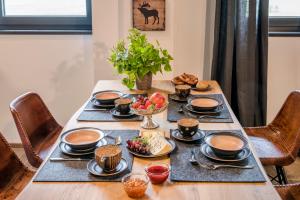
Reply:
x=157 y=174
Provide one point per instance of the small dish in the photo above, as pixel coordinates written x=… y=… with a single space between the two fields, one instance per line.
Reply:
x=107 y=97
x=66 y=149
x=100 y=105
x=226 y=143
x=202 y=87
x=209 y=153
x=82 y=138
x=158 y=172
x=117 y=114
x=198 y=136
x=204 y=103
x=96 y=170
x=135 y=185
x=175 y=97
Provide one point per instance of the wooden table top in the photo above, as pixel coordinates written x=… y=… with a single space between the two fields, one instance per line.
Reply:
x=169 y=190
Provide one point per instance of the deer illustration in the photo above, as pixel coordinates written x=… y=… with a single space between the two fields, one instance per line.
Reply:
x=148 y=13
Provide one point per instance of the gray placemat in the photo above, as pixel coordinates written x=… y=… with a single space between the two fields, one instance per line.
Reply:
x=76 y=171
x=183 y=170
x=105 y=115
x=174 y=115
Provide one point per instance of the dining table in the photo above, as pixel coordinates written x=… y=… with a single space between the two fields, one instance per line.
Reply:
x=170 y=189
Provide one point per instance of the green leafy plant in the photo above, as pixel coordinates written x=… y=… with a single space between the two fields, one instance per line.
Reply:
x=139 y=58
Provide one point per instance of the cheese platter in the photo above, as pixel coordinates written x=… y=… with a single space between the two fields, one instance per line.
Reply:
x=150 y=144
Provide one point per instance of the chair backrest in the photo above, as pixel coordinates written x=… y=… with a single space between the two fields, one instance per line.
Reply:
x=10 y=165
x=287 y=123
x=32 y=117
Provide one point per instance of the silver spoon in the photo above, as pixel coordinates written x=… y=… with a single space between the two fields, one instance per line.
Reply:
x=118 y=140
x=180 y=110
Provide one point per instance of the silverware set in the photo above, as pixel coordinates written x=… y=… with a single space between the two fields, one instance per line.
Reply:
x=193 y=160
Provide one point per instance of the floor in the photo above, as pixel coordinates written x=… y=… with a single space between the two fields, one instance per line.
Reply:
x=292 y=171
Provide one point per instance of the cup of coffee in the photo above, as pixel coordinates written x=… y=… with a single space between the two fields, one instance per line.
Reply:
x=123 y=105
x=183 y=90
x=188 y=126
x=108 y=157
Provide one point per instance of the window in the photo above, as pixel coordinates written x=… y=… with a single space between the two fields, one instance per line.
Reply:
x=45 y=16
x=284 y=17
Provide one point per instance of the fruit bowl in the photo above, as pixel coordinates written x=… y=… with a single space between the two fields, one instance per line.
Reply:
x=150 y=111
x=148 y=122
x=149 y=106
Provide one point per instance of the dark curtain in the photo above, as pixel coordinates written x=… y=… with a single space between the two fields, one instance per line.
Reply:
x=240 y=57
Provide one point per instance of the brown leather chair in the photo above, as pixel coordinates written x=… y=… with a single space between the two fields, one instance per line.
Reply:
x=36 y=126
x=289 y=192
x=278 y=143
x=14 y=176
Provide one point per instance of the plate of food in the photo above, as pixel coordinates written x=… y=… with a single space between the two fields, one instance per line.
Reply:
x=150 y=144
x=202 y=86
x=185 y=79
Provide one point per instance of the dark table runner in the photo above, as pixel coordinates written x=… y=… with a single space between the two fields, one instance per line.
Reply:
x=183 y=170
x=76 y=171
x=104 y=115
x=174 y=115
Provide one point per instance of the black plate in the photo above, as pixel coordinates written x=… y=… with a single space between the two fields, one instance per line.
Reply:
x=208 y=152
x=81 y=147
x=96 y=170
x=66 y=149
x=201 y=109
x=222 y=152
x=154 y=156
x=198 y=136
x=99 y=105
x=202 y=90
x=117 y=114
x=175 y=97
x=189 y=108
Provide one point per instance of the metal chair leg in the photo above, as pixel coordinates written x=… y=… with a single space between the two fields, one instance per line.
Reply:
x=284 y=179
x=281 y=175
x=278 y=174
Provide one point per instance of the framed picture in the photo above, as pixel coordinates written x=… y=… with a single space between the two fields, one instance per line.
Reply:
x=149 y=15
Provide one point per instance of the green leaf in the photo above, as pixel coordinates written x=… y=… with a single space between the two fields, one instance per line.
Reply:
x=138 y=58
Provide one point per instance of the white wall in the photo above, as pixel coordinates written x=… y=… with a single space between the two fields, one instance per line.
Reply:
x=283 y=71
x=64 y=68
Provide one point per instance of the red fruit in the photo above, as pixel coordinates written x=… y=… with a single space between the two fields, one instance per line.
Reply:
x=147 y=103
x=161 y=101
x=158 y=106
x=157 y=98
x=136 y=105
x=142 y=107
